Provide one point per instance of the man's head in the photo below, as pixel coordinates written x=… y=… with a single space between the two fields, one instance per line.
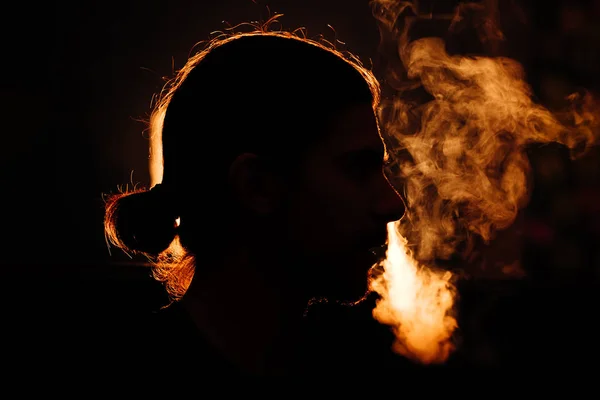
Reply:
x=276 y=137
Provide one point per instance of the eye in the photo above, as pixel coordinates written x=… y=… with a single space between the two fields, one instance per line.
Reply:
x=363 y=164
x=387 y=160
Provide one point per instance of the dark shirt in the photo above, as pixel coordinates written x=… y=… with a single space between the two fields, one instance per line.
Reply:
x=117 y=328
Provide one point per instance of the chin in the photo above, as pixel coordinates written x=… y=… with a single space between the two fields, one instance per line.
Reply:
x=344 y=300
x=345 y=289
x=356 y=299
x=344 y=279
x=352 y=293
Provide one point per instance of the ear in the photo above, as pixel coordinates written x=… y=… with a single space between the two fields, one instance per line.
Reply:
x=253 y=184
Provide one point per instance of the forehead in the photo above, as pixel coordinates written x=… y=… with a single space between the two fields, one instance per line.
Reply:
x=354 y=128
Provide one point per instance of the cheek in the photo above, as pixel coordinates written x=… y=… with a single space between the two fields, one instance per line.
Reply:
x=322 y=222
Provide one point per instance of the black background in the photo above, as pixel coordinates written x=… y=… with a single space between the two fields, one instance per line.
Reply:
x=78 y=78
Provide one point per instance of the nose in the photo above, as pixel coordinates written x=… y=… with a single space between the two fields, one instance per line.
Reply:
x=390 y=205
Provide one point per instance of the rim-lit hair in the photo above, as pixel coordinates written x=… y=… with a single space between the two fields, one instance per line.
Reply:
x=172 y=86
x=172 y=263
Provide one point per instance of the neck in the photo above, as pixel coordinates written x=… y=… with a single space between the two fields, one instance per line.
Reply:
x=245 y=307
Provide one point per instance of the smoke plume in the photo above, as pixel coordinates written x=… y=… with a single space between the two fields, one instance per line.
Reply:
x=458 y=127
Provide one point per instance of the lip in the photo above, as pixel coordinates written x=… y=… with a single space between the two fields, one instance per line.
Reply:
x=379 y=251
x=377 y=240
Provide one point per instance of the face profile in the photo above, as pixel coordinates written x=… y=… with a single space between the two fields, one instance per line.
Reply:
x=270 y=189
x=340 y=205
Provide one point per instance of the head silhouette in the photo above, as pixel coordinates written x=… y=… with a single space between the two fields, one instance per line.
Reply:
x=268 y=155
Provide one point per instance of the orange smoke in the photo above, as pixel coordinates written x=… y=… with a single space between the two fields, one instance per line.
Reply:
x=457 y=128
x=420 y=298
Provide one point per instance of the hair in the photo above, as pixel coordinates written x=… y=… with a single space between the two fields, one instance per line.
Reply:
x=269 y=92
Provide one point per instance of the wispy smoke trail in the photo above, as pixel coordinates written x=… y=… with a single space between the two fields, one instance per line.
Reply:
x=462 y=151
x=458 y=128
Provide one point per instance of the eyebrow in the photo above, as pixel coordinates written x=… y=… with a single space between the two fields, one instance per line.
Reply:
x=373 y=153
x=369 y=150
